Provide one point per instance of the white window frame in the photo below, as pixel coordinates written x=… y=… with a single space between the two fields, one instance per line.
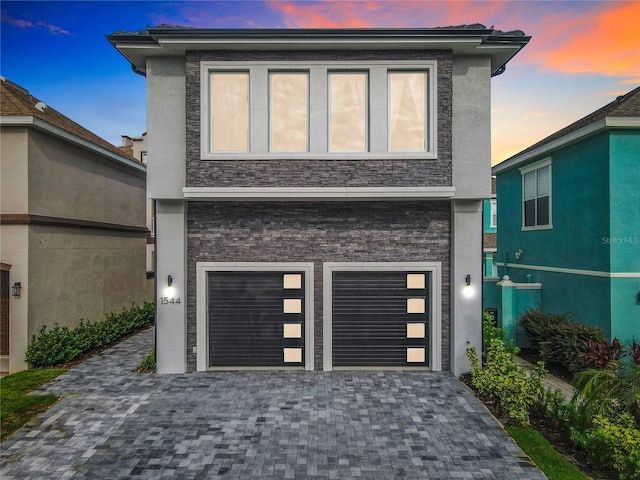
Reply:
x=546 y=162
x=377 y=125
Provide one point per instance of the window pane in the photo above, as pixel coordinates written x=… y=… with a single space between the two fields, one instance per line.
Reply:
x=530 y=185
x=407 y=111
x=289 y=112
x=529 y=213
x=229 y=111
x=347 y=112
x=543 y=181
x=542 y=214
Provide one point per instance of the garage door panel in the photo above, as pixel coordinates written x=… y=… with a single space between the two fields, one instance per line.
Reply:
x=247 y=318
x=379 y=318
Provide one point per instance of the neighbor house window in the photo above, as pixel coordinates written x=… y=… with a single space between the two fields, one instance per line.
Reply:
x=407 y=111
x=229 y=111
x=143 y=157
x=536 y=195
x=348 y=112
x=493 y=214
x=289 y=112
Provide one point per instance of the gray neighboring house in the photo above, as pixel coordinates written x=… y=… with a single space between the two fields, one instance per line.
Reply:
x=318 y=193
x=73 y=233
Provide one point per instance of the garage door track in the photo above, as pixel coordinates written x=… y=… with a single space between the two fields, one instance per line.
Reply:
x=114 y=424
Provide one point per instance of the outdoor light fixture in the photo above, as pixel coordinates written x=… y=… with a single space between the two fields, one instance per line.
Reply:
x=169 y=280
x=15 y=289
x=467 y=279
x=518 y=254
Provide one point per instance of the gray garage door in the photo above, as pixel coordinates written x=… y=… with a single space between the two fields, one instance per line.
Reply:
x=256 y=319
x=380 y=318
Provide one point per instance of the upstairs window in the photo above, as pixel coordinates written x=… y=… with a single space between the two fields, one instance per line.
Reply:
x=320 y=110
x=289 y=108
x=348 y=112
x=536 y=195
x=407 y=111
x=229 y=111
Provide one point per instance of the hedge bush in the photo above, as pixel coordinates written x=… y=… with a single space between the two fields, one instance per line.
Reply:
x=507 y=382
x=559 y=340
x=62 y=345
x=613 y=444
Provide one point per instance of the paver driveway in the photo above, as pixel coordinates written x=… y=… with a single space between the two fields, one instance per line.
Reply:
x=115 y=424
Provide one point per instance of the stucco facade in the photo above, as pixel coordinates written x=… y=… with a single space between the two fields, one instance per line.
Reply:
x=587 y=256
x=319 y=210
x=73 y=229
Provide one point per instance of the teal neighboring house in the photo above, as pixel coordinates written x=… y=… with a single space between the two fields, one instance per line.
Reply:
x=490 y=229
x=489 y=250
x=569 y=218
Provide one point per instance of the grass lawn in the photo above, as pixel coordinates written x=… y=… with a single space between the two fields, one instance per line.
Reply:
x=17 y=408
x=554 y=465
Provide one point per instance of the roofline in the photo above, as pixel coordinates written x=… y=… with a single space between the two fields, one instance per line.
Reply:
x=35 y=122
x=572 y=137
x=179 y=39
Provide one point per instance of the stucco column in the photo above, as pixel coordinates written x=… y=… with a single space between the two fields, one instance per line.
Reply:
x=466 y=299
x=171 y=278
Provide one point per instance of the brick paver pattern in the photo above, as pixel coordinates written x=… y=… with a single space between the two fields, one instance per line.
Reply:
x=115 y=424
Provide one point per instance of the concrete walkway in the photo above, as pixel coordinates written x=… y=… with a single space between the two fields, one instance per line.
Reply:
x=550 y=381
x=114 y=424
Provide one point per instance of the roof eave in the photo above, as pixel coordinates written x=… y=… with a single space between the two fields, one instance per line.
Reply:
x=136 y=48
x=570 y=138
x=34 y=122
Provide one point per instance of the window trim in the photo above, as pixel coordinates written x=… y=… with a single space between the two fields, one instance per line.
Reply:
x=377 y=127
x=545 y=162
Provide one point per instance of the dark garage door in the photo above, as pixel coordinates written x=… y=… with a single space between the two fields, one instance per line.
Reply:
x=380 y=318
x=256 y=319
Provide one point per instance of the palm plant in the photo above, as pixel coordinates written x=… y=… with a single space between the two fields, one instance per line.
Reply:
x=599 y=392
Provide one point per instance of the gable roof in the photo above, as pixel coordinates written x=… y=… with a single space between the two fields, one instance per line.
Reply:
x=625 y=106
x=15 y=101
x=172 y=40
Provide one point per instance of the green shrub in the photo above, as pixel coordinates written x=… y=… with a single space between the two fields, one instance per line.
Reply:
x=613 y=444
x=559 y=340
x=62 y=345
x=507 y=382
x=490 y=331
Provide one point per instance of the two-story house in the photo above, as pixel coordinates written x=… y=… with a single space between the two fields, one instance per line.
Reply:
x=318 y=193
x=73 y=232
x=569 y=218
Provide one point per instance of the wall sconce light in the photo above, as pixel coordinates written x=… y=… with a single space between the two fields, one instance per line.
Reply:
x=169 y=280
x=518 y=254
x=15 y=289
x=467 y=279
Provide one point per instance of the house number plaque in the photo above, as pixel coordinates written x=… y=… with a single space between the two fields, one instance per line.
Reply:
x=169 y=300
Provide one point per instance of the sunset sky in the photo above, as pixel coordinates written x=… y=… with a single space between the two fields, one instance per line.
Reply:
x=582 y=55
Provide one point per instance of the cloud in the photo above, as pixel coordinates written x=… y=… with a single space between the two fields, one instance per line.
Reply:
x=24 y=24
x=383 y=13
x=603 y=40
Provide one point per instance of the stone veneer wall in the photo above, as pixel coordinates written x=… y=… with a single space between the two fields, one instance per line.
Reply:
x=318 y=232
x=320 y=173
